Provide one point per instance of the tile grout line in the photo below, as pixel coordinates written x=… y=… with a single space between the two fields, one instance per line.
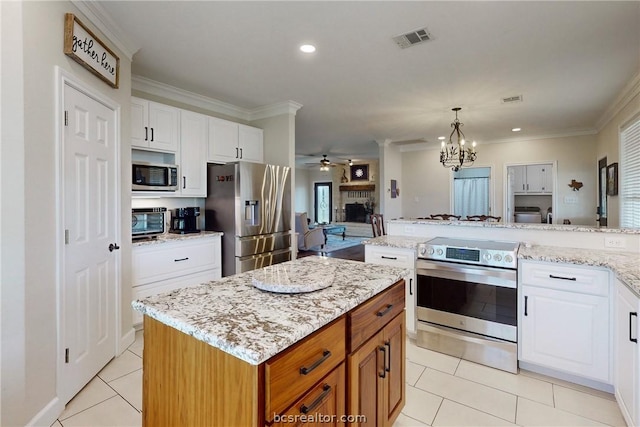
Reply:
x=438 y=410
x=61 y=421
x=123 y=398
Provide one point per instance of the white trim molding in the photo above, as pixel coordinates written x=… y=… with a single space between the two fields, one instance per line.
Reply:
x=173 y=93
x=631 y=90
x=107 y=26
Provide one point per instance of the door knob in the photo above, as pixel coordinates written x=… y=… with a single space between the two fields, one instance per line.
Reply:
x=113 y=247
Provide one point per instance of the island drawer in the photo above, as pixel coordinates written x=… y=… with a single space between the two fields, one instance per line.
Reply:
x=328 y=398
x=563 y=277
x=371 y=316
x=294 y=371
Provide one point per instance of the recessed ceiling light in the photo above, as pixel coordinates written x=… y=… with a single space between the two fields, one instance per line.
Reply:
x=308 y=48
x=516 y=130
x=441 y=138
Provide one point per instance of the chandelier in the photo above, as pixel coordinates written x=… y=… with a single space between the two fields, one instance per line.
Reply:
x=456 y=155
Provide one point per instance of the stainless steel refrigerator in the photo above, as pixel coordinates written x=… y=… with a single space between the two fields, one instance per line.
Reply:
x=251 y=204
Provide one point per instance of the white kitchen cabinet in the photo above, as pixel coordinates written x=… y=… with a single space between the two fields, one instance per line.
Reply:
x=533 y=179
x=154 y=126
x=163 y=267
x=564 y=319
x=402 y=258
x=194 y=133
x=627 y=369
x=230 y=142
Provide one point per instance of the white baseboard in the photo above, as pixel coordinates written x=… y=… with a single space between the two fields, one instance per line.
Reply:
x=125 y=341
x=608 y=388
x=49 y=414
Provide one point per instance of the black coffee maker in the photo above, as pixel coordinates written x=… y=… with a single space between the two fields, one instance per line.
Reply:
x=185 y=220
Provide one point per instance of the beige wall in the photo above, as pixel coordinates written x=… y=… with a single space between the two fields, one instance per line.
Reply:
x=391 y=168
x=608 y=144
x=30 y=359
x=427 y=185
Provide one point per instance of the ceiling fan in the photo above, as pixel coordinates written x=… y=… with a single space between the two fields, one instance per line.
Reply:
x=324 y=163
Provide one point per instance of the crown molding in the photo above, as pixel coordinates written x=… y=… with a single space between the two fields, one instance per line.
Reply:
x=107 y=26
x=278 y=109
x=631 y=90
x=163 y=90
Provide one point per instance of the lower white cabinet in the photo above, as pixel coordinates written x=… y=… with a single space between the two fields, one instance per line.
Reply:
x=403 y=258
x=564 y=319
x=627 y=369
x=163 y=267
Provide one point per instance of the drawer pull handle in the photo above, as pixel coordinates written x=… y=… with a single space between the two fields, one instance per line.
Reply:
x=180 y=259
x=326 y=389
x=635 y=313
x=388 y=345
x=573 y=279
x=325 y=355
x=383 y=349
x=389 y=257
x=385 y=311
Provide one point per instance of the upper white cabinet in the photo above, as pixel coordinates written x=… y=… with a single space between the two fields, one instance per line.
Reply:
x=230 y=141
x=402 y=258
x=194 y=133
x=537 y=179
x=251 y=144
x=154 y=126
x=627 y=366
x=564 y=319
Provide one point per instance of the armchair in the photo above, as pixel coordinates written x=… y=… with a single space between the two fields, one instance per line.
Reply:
x=307 y=238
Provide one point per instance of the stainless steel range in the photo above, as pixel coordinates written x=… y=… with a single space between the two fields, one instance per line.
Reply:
x=467 y=300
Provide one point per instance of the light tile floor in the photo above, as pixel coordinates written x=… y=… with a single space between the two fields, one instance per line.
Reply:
x=441 y=391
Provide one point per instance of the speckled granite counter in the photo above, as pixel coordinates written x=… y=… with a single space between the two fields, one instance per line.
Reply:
x=402 y=242
x=524 y=226
x=254 y=325
x=170 y=237
x=625 y=265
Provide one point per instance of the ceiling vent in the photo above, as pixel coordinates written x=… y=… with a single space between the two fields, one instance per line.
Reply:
x=511 y=99
x=412 y=38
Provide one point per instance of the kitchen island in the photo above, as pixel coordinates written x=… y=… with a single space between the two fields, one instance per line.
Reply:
x=227 y=353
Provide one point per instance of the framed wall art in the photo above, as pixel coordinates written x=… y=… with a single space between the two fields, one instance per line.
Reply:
x=360 y=173
x=612 y=179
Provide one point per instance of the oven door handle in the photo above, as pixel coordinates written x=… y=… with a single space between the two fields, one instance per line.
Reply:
x=487 y=276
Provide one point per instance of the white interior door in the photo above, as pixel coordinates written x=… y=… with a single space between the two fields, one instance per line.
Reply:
x=89 y=218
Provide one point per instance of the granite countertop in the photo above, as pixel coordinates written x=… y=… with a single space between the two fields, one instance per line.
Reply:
x=519 y=225
x=402 y=242
x=625 y=265
x=233 y=315
x=170 y=237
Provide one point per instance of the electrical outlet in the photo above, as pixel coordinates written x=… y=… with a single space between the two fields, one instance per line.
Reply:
x=614 y=242
x=570 y=200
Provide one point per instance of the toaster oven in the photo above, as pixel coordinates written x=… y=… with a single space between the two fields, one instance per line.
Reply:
x=147 y=222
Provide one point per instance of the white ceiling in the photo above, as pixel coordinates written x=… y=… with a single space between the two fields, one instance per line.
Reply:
x=569 y=61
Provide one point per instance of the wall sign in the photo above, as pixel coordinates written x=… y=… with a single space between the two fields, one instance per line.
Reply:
x=87 y=49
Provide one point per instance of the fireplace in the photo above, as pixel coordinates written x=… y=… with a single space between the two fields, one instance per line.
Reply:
x=355 y=212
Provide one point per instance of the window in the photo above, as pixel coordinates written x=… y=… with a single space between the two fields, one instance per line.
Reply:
x=630 y=176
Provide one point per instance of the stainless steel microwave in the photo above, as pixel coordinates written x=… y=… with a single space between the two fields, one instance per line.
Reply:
x=154 y=177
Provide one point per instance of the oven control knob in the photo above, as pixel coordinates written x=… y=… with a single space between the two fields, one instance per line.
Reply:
x=508 y=258
x=439 y=252
x=497 y=257
x=430 y=251
x=423 y=251
x=487 y=257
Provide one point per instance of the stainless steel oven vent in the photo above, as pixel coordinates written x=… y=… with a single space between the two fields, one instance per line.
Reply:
x=511 y=99
x=412 y=38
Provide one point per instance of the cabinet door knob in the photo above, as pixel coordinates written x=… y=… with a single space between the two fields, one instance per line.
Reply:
x=383 y=349
x=526 y=301
x=146 y=133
